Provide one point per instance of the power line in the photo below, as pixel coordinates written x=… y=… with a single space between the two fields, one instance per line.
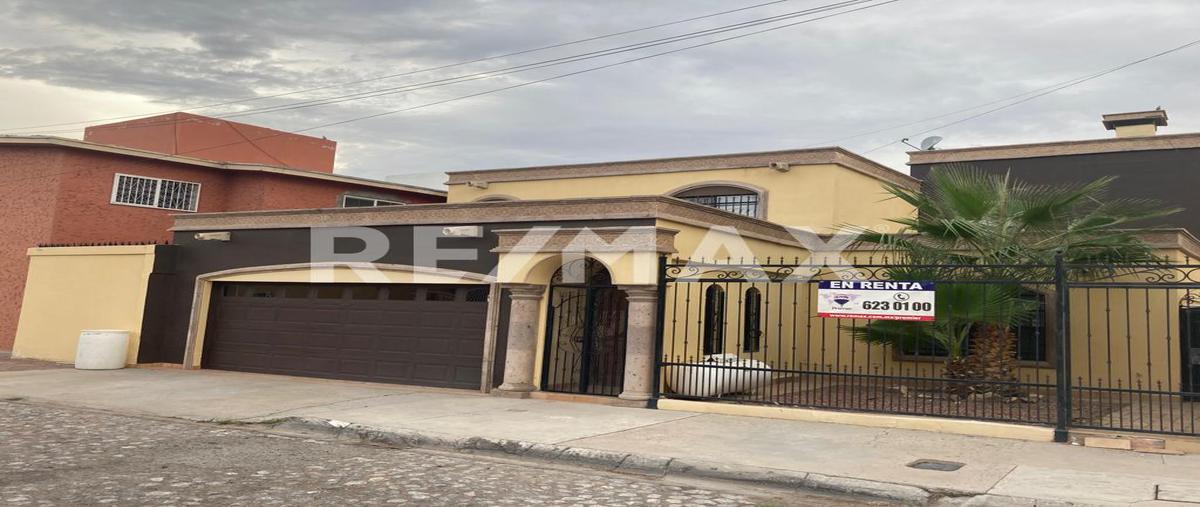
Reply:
x=560 y=76
x=551 y=78
x=1044 y=92
x=511 y=70
x=413 y=72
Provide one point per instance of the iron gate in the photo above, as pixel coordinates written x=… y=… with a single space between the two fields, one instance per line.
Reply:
x=1101 y=347
x=585 y=334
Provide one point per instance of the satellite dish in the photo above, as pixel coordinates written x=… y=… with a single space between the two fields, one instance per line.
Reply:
x=929 y=142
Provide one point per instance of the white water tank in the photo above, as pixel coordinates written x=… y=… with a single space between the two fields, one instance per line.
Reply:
x=102 y=349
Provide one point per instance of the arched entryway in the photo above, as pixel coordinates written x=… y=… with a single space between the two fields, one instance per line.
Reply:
x=585 y=331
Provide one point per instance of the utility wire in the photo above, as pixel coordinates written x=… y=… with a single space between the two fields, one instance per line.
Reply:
x=514 y=69
x=412 y=72
x=560 y=76
x=1046 y=91
x=519 y=85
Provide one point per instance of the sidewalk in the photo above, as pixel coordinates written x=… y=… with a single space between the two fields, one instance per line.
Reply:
x=1005 y=469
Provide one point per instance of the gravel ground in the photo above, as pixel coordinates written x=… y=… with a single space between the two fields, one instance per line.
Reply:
x=56 y=456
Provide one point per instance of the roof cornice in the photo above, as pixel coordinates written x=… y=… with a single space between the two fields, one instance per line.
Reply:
x=1055 y=149
x=815 y=156
x=474 y=213
x=63 y=142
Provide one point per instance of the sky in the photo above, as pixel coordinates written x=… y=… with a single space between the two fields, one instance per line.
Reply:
x=879 y=71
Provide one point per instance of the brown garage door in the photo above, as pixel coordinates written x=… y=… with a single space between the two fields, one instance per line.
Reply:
x=428 y=335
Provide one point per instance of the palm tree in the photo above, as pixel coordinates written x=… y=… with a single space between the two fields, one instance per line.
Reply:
x=972 y=226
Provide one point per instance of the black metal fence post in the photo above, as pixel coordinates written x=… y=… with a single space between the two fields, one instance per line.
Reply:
x=661 y=315
x=1063 y=349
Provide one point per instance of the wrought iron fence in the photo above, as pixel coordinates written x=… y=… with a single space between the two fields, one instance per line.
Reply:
x=1134 y=347
x=1095 y=347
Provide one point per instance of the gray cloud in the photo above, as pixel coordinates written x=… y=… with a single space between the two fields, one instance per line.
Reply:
x=809 y=84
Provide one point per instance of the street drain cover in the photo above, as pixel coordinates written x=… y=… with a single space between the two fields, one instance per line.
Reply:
x=936 y=465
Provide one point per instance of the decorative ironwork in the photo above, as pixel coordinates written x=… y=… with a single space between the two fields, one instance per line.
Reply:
x=1124 y=274
x=742 y=204
x=586 y=322
x=1115 y=347
x=767 y=272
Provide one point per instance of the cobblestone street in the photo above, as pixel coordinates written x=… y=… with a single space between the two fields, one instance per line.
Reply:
x=57 y=456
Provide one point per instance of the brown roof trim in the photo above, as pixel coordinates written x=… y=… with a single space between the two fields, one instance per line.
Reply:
x=1164 y=239
x=1158 y=117
x=1055 y=149
x=608 y=208
x=63 y=142
x=814 y=156
x=1180 y=239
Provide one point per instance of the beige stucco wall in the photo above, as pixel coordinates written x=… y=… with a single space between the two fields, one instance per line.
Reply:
x=820 y=196
x=72 y=289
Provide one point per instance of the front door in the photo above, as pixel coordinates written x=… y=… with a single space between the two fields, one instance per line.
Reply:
x=585 y=333
x=1189 y=320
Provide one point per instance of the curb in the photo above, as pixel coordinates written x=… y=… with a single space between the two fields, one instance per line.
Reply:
x=614 y=461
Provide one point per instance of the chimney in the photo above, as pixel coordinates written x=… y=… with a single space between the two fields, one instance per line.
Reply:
x=1139 y=124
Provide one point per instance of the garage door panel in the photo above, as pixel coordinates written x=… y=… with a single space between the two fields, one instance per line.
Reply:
x=355 y=342
x=467 y=374
x=430 y=372
x=354 y=367
x=437 y=320
x=351 y=332
x=398 y=370
x=310 y=363
x=305 y=315
x=396 y=347
x=364 y=316
x=472 y=320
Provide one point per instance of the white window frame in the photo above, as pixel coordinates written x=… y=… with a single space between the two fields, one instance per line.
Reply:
x=374 y=200
x=158 y=183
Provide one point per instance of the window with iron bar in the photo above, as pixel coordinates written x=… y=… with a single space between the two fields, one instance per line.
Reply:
x=145 y=192
x=354 y=201
x=742 y=204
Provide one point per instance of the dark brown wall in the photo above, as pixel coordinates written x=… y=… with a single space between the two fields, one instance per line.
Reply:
x=164 y=331
x=1171 y=176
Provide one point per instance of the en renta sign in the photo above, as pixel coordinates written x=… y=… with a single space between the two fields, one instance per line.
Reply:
x=879 y=300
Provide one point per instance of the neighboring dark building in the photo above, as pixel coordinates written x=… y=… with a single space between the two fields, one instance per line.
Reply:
x=1162 y=167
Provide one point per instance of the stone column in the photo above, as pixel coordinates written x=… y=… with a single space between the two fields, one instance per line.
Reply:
x=640 y=338
x=521 y=350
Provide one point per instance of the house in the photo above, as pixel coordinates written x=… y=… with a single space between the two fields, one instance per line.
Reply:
x=1140 y=157
x=479 y=236
x=67 y=191
x=687 y=283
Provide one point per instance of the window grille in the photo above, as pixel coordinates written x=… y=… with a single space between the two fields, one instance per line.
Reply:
x=742 y=204
x=159 y=193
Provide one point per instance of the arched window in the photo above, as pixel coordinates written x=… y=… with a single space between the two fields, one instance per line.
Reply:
x=752 y=321
x=496 y=198
x=714 y=320
x=727 y=197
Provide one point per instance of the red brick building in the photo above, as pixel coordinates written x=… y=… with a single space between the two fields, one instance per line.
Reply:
x=208 y=138
x=56 y=191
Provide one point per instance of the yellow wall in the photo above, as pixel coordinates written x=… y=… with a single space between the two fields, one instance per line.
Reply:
x=72 y=289
x=818 y=196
